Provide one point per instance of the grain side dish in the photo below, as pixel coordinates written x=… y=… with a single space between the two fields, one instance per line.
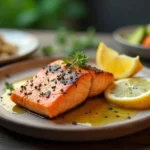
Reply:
x=7 y=49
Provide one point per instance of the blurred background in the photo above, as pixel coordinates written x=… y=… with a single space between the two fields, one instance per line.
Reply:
x=103 y=15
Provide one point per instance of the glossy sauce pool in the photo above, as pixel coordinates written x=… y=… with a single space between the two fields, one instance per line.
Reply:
x=94 y=112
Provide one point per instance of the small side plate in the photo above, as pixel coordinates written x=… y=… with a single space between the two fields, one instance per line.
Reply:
x=26 y=42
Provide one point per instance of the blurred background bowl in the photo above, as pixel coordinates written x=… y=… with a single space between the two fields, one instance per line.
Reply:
x=128 y=48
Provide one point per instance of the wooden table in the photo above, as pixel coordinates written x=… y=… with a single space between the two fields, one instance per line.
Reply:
x=13 y=141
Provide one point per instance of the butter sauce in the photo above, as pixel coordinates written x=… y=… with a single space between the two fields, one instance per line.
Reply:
x=6 y=102
x=94 y=112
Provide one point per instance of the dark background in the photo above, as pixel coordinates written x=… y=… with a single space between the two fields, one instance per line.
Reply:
x=107 y=15
x=104 y=15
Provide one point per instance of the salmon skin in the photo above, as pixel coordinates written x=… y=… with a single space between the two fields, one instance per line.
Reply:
x=56 y=89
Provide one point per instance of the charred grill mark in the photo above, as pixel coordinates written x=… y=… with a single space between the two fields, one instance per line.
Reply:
x=94 y=69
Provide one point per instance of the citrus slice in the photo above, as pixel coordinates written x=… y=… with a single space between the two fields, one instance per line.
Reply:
x=121 y=66
x=129 y=93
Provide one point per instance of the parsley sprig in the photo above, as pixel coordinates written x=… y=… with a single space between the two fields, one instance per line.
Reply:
x=78 y=59
x=9 y=86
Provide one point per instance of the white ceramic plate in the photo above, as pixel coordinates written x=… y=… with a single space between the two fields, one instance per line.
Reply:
x=35 y=126
x=26 y=42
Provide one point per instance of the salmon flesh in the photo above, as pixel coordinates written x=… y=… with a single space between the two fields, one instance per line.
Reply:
x=56 y=89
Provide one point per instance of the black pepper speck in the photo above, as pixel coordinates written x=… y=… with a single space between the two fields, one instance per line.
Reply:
x=48 y=94
x=31 y=84
x=25 y=93
x=53 y=87
x=46 y=72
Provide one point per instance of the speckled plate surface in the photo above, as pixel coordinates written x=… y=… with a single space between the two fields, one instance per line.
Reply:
x=26 y=43
x=34 y=126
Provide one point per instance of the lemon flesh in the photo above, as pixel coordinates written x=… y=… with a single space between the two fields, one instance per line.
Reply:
x=130 y=93
x=121 y=66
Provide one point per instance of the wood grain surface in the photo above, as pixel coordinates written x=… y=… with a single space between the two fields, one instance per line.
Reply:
x=12 y=141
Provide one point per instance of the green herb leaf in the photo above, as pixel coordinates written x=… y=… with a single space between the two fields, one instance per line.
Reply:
x=89 y=41
x=78 y=59
x=61 y=36
x=9 y=86
x=66 y=61
x=47 y=50
x=91 y=32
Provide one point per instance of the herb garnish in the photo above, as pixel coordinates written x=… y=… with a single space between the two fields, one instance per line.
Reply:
x=47 y=50
x=68 y=41
x=78 y=59
x=9 y=86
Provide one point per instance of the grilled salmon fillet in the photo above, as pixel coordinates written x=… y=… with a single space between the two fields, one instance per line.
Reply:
x=56 y=89
x=100 y=80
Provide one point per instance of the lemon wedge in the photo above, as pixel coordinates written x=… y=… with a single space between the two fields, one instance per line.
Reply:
x=130 y=93
x=121 y=66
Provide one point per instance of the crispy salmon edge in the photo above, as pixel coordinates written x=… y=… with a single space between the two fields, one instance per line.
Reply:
x=105 y=77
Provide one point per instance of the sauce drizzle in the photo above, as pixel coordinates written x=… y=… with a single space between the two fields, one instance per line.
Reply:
x=94 y=112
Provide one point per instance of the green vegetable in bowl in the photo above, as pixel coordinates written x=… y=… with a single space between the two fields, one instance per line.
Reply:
x=137 y=36
x=148 y=29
